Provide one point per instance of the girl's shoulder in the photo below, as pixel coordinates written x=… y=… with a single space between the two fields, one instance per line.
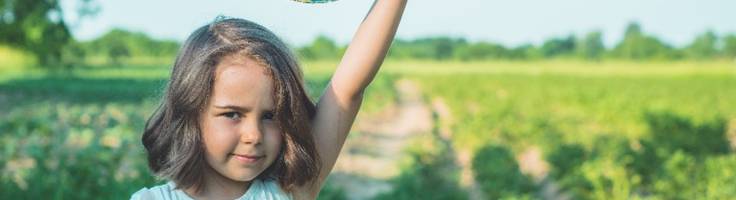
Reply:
x=267 y=189
x=166 y=191
x=260 y=189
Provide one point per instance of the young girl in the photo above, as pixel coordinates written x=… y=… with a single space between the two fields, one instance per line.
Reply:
x=236 y=123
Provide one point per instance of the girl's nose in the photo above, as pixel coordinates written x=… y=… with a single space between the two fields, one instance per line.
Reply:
x=252 y=133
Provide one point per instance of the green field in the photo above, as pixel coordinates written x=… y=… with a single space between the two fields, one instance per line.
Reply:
x=609 y=130
x=519 y=102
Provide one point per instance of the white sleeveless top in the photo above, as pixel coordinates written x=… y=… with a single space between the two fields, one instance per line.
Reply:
x=259 y=189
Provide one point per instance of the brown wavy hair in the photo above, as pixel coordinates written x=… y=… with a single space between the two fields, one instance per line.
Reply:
x=172 y=136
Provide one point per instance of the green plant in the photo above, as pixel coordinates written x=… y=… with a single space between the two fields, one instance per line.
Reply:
x=498 y=175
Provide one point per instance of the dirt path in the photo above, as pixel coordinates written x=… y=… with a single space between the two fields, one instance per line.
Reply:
x=463 y=159
x=372 y=153
x=532 y=163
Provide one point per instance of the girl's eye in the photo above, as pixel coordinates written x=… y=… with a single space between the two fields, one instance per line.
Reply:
x=232 y=115
x=268 y=116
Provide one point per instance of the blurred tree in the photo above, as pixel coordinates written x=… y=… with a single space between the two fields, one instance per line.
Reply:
x=703 y=47
x=729 y=46
x=444 y=47
x=558 y=46
x=591 y=46
x=73 y=54
x=117 y=52
x=321 y=48
x=404 y=49
x=480 y=51
x=436 y=48
x=119 y=44
x=38 y=26
x=637 y=46
x=527 y=51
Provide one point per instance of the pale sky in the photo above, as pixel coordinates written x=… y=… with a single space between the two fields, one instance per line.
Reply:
x=507 y=22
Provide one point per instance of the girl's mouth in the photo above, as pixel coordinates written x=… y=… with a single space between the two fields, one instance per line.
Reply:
x=247 y=158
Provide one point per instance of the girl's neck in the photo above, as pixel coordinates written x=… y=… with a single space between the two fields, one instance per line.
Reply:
x=217 y=186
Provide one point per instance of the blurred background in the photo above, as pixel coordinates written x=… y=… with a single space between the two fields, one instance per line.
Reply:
x=477 y=99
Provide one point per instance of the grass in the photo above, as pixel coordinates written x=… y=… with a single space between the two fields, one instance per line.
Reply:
x=640 y=125
x=84 y=125
x=14 y=59
x=512 y=101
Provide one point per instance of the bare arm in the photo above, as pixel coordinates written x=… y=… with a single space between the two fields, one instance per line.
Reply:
x=341 y=100
x=365 y=54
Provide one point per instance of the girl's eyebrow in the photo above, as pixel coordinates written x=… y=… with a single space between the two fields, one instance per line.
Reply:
x=234 y=107
x=239 y=108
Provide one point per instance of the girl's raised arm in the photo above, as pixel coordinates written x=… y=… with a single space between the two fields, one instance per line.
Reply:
x=341 y=100
x=369 y=46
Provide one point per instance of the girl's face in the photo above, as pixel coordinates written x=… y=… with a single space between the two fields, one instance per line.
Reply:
x=240 y=134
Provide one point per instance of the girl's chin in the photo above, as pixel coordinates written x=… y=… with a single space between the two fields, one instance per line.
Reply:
x=244 y=176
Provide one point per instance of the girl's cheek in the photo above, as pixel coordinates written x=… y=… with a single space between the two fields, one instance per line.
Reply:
x=273 y=132
x=271 y=136
x=221 y=129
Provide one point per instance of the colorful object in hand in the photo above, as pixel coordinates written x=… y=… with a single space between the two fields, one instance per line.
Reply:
x=315 y=1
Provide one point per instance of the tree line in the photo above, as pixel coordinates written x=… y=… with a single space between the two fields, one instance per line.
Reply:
x=117 y=45
x=37 y=26
x=636 y=45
